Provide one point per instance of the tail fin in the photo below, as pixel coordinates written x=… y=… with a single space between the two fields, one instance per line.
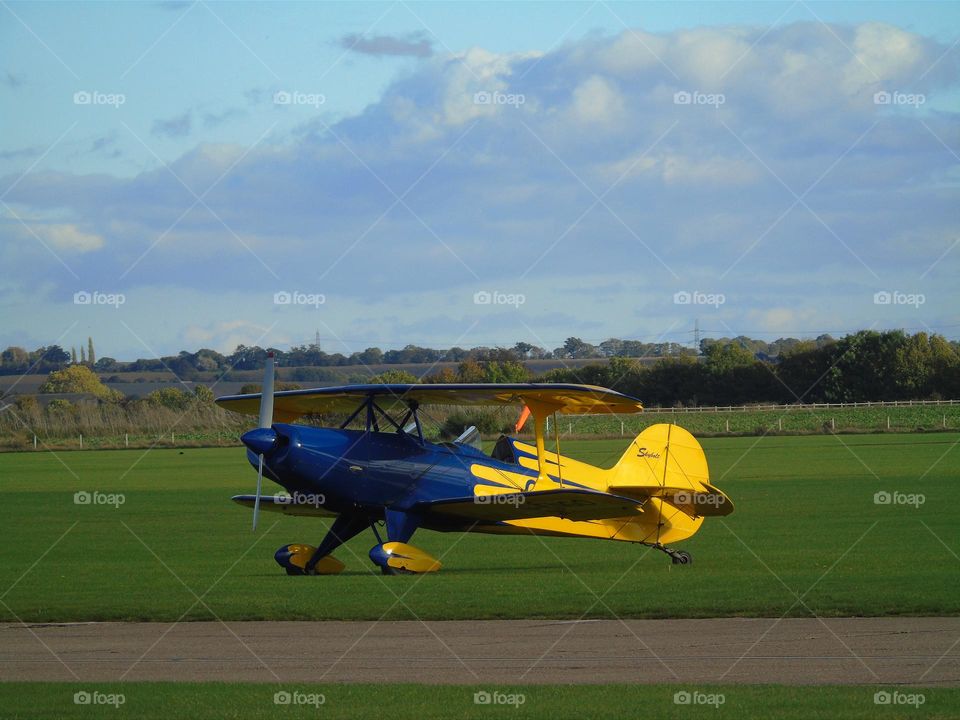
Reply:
x=667 y=462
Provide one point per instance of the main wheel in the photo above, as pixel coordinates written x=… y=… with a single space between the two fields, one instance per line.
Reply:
x=681 y=557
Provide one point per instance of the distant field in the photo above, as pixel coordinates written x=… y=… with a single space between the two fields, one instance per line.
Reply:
x=805 y=523
x=758 y=422
x=160 y=701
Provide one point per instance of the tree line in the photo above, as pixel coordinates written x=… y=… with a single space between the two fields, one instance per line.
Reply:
x=864 y=366
x=187 y=365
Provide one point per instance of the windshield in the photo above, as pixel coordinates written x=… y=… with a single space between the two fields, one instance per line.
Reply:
x=471 y=438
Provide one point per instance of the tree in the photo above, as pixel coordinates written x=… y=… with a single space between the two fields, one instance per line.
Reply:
x=574 y=347
x=801 y=370
x=206 y=360
x=470 y=371
x=865 y=367
x=83 y=356
x=203 y=394
x=611 y=347
x=445 y=375
x=723 y=357
x=78 y=379
x=73 y=355
x=15 y=356
x=370 y=356
x=508 y=371
x=54 y=355
x=91 y=358
x=522 y=349
x=108 y=364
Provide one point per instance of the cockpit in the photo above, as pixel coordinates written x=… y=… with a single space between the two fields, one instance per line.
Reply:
x=471 y=442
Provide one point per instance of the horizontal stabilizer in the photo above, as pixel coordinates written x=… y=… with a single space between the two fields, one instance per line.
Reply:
x=708 y=502
x=562 y=503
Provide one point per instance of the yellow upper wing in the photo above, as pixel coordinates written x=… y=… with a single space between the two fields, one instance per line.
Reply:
x=567 y=399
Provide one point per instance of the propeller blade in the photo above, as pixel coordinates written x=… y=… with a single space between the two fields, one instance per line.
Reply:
x=266 y=394
x=266 y=421
x=256 y=503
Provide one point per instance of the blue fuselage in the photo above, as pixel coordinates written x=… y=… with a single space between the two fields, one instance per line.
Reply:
x=357 y=471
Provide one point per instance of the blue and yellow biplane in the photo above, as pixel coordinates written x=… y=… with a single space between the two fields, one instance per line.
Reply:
x=388 y=473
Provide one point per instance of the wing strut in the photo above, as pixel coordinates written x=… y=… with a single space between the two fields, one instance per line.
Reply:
x=540 y=411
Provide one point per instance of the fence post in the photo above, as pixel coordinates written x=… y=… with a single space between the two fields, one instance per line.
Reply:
x=126 y=439
x=81 y=441
x=35 y=437
x=780 y=423
x=728 y=425
x=833 y=425
x=888 y=422
x=621 y=428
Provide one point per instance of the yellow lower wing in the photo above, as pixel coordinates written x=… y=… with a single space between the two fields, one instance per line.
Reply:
x=561 y=503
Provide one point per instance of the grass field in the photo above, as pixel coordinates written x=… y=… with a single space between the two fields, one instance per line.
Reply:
x=806 y=537
x=29 y=701
x=796 y=420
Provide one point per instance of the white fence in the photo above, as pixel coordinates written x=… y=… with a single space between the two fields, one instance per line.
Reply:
x=797 y=406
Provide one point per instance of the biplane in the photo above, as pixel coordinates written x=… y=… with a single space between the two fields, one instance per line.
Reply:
x=389 y=475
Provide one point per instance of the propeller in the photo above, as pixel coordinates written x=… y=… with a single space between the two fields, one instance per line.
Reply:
x=266 y=422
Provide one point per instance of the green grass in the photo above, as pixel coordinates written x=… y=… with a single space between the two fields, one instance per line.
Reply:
x=805 y=525
x=161 y=701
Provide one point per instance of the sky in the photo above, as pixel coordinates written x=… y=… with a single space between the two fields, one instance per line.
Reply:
x=178 y=175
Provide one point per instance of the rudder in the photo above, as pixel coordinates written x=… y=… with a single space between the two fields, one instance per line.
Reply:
x=666 y=462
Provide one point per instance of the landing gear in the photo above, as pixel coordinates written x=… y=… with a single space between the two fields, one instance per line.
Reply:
x=677 y=557
x=300 y=559
x=394 y=557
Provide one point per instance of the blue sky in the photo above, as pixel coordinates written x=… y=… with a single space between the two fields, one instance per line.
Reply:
x=458 y=173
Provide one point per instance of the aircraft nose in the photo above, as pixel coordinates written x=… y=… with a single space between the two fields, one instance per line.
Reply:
x=261 y=440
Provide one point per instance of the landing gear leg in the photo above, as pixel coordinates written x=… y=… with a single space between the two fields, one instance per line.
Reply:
x=343 y=528
x=677 y=557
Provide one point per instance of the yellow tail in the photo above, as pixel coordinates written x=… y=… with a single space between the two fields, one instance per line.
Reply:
x=666 y=462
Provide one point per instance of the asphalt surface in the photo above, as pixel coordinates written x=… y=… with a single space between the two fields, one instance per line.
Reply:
x=849 y=651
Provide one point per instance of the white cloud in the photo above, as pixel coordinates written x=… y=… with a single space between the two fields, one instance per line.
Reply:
x=69 y=237
x=225 y=336
x=596 y=101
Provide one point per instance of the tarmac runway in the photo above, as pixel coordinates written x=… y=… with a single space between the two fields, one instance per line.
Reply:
x=847 y=651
